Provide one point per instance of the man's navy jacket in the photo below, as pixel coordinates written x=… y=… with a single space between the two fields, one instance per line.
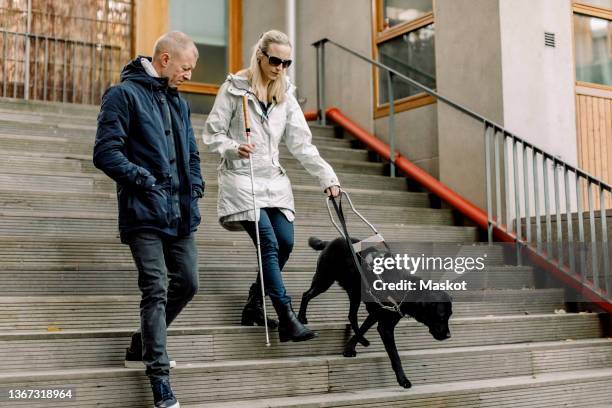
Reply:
x=145 y=143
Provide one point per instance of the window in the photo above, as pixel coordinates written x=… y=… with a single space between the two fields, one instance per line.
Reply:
x=206 y=24
x=215 y=27
x=593 y=45
x=397 y=12
x=403 y=40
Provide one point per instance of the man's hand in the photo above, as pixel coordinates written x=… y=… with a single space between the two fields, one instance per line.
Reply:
x=245 y=150
x=333 y=191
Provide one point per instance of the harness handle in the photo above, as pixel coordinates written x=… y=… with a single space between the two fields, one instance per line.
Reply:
x=332 y=199
x=351 y=246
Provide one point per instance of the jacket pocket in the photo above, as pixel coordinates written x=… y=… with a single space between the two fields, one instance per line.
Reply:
x=240 y=164
x=195 y=212
x=150 y=207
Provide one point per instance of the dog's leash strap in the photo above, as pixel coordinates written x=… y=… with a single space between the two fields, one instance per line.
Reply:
x=340 y=213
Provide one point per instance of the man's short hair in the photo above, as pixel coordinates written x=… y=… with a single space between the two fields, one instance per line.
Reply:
x=174 y=42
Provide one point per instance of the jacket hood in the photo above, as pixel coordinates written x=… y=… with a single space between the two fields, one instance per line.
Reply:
x=134 y=71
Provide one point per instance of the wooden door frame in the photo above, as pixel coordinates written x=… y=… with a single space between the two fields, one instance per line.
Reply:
x=380 y=35
x=151 y=21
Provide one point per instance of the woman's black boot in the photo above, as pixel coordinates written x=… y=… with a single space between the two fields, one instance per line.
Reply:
x=289 y=327
x=253 y=313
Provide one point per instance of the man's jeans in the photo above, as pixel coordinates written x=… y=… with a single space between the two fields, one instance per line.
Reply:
x=276 y=239
x=168 y=280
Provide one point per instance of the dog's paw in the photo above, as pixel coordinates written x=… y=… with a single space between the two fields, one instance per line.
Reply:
x=404 y=382
x=364 y=342
x=349 y=352
x=302 y=319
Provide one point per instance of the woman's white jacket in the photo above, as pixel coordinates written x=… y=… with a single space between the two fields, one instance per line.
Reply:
x=224 y=132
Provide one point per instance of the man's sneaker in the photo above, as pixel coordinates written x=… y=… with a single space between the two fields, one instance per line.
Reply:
x=162 y=394
x=133 y=359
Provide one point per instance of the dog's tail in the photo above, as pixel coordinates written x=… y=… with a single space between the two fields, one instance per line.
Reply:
x=317 y=244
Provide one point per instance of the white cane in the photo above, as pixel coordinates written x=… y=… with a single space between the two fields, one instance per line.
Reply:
x=247 y=129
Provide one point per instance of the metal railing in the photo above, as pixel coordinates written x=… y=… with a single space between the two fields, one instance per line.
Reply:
x=520 y=180
x=46 y=68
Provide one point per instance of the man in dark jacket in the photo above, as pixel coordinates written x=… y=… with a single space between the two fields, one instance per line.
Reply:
x=145 y=143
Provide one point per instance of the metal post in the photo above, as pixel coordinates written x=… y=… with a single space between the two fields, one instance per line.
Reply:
x=499 y=220
x=594 y=260
x=509 y=222
x=55 y=74
x=487 y=131
x=568 y=215
x=93 y=73
x=526 y=193
x=15 y=59
x=64 y=98
x=74 y=70
x=558 y=211
x=26 y=81
x=35 y=94
x=517 y=201
x=391 y=123
x=536 y=197
x=4 y=64
x=321 y=83
x=604 y=238
x=46 y=69
x=111 y=66
x=581 y=246
x=84 y=71
x=102 y=48
x=547 y=208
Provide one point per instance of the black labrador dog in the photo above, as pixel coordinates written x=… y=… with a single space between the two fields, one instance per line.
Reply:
x=430 y=307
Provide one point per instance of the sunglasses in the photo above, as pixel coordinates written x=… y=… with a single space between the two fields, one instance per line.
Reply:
x=275 y=61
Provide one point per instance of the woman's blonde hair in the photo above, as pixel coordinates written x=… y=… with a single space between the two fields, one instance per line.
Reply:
x=277 y=88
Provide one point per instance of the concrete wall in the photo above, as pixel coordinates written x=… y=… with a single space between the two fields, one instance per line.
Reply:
x=538 y=81
x=348 y=81
x=469 y=71
x=259 y=16
x=416 y=136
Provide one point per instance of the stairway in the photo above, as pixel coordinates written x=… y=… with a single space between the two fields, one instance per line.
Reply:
x=69 y=296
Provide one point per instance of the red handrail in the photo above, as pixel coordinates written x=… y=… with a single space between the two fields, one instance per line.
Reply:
x=311 y=115
x=465 y=207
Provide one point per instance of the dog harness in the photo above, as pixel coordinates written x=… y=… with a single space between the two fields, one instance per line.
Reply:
x=360 y=246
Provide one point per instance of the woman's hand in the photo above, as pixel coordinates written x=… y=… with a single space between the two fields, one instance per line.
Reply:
x=245 y=150
x=333 y=191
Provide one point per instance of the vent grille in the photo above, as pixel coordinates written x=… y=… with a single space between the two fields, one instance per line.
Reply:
x=549 y=39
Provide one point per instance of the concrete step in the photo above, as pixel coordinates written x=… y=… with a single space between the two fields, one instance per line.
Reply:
x=213 y=382
x=84 y=127
x=77 y=138
x=312 y=216
x=224 y=244
x=576 y=389
x=36 y=107
x=60 y=197
x=70 y=117
x=342 y=159
x=216 y=276
x=45 y=164
x=70 y=225
x=234 y=342
x=67 y=111
x=39 y=311
x=42 y=112
x=97 y=182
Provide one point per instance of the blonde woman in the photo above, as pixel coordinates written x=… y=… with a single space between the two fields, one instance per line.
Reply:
x=274 y=116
